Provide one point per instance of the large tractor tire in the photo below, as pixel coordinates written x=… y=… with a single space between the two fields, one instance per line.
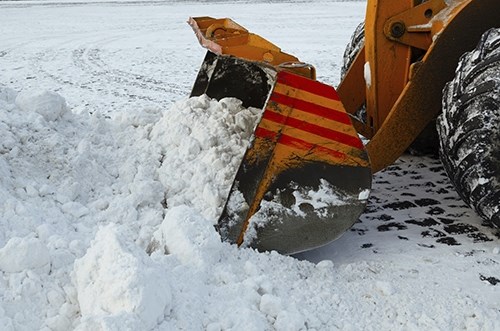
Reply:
x=352 y=49
x=469 y=128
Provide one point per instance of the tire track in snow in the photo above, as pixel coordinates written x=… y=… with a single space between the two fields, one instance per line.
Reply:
x=425 y=208
x=83 y=63
x=133 y=79
x=413 y=211
x=88 y=58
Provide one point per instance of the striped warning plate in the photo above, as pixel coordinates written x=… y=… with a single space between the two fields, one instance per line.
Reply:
x=308 y=117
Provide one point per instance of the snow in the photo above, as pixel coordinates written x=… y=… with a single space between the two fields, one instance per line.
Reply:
x=138 y=299
x=202 y=144
x=367 y=74
x=111 y=180
x=24 y=253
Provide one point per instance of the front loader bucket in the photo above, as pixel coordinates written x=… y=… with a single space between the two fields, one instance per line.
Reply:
x=306 y=177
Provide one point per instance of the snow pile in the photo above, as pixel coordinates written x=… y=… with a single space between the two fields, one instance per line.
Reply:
x=138 y=298
x=64 y=175
x=223 y=287
x=21 y=254
x=202 y=142
x=48 y=104
x=83 y=195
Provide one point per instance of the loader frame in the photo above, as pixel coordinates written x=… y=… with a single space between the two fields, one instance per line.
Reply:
x=411 y=51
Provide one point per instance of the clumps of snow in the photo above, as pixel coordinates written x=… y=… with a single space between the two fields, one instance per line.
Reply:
x=81 y=196
x=185 y=234
x=202 y=143
x=118 y=284
x=46 y=103
x=217 y=286
x=325 y=196
x=63 y=175
x=364 y=195
x=21 y=254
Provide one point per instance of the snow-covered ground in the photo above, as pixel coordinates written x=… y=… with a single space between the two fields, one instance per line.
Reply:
x=101 y=151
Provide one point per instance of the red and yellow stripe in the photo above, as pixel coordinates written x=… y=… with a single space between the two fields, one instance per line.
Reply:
x=304 y=121
x=308 y=118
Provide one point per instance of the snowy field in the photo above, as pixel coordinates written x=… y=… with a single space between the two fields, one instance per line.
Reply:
x=101 y=151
